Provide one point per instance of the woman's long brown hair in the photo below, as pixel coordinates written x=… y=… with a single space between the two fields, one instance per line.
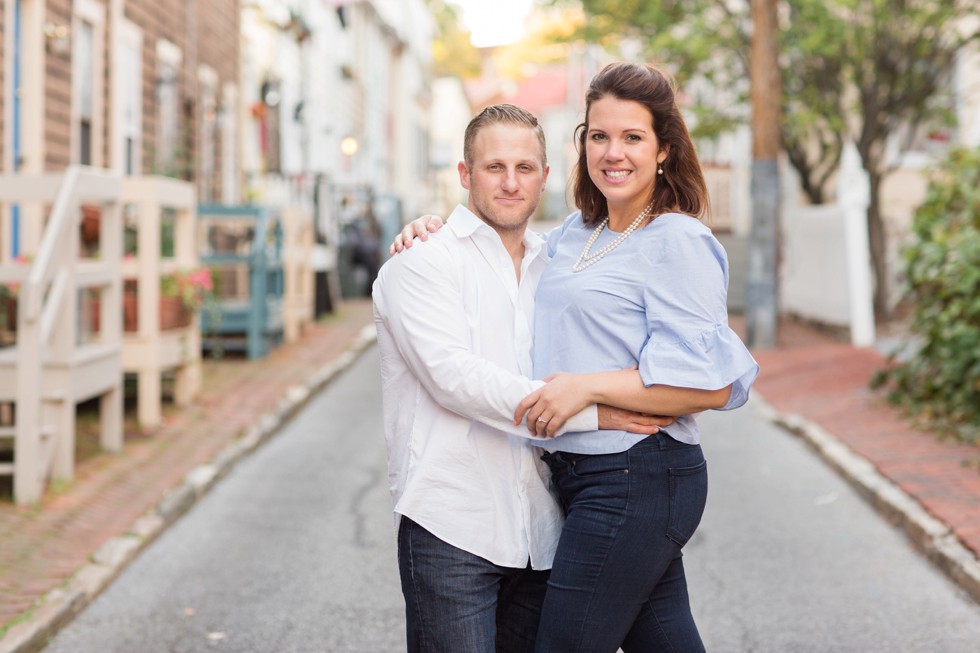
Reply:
x=681 y=187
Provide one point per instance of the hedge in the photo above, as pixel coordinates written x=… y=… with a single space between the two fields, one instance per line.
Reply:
x=936 y=379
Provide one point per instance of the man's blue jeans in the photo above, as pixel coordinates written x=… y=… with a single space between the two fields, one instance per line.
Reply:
x=618 y=579
x=456 y=602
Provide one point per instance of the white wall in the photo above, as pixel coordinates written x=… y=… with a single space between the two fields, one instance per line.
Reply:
x=450 y=114
x=825 y=270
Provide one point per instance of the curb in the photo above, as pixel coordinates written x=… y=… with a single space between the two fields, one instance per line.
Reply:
x=934 y=538
x=59 y=606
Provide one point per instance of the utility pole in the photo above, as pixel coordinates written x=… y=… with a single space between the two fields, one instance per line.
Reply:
x=761 y=301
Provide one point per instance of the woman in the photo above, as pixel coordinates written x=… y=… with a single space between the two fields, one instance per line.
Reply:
x=635 y=280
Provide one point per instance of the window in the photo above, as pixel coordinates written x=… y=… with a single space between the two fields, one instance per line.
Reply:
x=208 y=79
x=130 y=94
x=85 y=89
x=229 y=153
x=272 y=99
x=168 y=120
x=87 y=92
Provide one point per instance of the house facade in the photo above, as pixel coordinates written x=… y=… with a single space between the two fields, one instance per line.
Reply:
x=134 y=86
x=335 y=104
x=116 y=118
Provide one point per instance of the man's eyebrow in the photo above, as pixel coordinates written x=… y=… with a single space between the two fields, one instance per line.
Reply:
x=522 y=162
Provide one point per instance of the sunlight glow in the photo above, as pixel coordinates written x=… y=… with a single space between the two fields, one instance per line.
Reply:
x=496 y=22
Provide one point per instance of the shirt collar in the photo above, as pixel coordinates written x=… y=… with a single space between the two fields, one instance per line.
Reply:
x=464 y=223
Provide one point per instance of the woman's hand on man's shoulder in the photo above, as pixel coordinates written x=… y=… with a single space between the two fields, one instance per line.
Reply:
x=419 y=228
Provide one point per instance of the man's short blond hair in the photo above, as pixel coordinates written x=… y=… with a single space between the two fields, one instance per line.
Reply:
x=502 y=113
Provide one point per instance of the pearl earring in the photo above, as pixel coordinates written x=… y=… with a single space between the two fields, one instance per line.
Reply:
x=660 y=170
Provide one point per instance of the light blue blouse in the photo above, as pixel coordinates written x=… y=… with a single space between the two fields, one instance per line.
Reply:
x=658 y=301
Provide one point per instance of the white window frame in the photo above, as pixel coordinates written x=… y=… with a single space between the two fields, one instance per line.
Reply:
x=230 y=192
x=91 y=13
x=167 y=92
x=207 y=150
x=127 y=98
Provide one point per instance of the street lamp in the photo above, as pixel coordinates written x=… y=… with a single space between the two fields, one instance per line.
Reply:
x=349 y=145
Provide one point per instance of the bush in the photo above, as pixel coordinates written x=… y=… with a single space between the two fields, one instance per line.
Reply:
x=938 y=382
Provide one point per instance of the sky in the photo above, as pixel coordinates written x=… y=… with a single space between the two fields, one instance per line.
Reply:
x=494 y=22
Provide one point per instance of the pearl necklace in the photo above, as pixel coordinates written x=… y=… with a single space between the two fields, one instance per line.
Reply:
x=585 y=260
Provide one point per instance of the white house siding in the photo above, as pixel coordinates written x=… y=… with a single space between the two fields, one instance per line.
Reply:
x=365 y=78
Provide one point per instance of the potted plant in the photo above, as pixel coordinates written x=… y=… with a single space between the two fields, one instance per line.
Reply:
x=8 y=314
x=90 y=224
x=8 y=308
x=182 y=294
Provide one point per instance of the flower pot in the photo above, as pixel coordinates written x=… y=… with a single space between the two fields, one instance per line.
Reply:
x=91 y=219
x=130 y=309
x=173 y=313
x=8 y=320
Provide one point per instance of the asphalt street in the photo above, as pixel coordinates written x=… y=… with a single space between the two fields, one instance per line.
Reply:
x=293 y=552
x=789 y=558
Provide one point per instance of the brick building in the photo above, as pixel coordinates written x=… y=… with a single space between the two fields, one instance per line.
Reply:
x=137 y=86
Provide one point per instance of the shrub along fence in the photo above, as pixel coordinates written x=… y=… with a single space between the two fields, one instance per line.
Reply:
x=937 y=380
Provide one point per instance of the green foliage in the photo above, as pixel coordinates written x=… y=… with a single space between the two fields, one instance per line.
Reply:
x=859 y=70
x=704 y=38
x=867 y=67
x=452 y=52
x=940 y=382
x=813 y=107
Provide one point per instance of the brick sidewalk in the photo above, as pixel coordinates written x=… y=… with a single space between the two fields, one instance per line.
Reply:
x=826 y=381
x=45 y=544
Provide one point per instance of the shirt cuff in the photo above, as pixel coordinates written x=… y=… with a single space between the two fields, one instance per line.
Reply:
x=586 y=419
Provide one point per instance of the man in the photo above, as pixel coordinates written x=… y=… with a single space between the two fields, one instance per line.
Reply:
x=477 y=524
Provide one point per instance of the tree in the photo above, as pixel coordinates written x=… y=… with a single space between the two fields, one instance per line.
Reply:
x=452 y=52
x=898 y=56
x=863 y=70
x=813 y=126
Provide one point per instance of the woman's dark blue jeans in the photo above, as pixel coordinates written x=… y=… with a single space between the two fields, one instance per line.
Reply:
x=618 y=579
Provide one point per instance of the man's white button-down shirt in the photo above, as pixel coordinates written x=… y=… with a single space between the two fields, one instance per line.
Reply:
x=454 y=332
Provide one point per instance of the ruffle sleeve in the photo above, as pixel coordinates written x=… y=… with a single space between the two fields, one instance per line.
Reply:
x=713 y=359
x=690 y=344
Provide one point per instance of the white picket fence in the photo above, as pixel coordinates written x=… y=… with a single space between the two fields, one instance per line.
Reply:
x=825 y=272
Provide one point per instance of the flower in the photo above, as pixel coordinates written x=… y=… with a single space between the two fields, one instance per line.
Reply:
x=193 y=287
x=12 y=288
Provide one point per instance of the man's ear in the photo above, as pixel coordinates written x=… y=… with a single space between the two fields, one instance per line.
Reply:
x=464 y=175
x=544 y=182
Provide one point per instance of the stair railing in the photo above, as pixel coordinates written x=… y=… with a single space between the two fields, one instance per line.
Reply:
x=47 y=316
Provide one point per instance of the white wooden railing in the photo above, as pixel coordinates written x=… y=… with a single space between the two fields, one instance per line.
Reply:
x=50 y=368
x=150 y=351
x=298 y=275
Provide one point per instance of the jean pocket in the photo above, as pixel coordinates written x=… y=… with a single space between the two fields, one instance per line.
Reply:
x=688 y=496
x=587 y=465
